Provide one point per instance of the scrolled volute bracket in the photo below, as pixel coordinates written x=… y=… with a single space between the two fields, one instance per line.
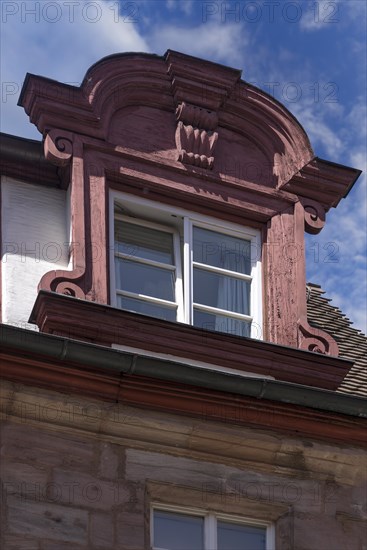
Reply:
x=314 y=214
x=58 y=147
x=316 y=340
x=59 y=150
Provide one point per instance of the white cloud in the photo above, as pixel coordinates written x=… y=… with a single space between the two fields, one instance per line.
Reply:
x=354 y=11
x=324 y=14
x=318 y=130
x=358 y=158
x=358 y=116
x=62 y=50
x=184 y=6
x=213 y=41
x=318 y=15
x=314 y=102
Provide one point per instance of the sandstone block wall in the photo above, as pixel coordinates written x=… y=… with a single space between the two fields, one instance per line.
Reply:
x=79 y=483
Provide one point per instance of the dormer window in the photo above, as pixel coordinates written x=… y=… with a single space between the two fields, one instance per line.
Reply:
x=181 y=266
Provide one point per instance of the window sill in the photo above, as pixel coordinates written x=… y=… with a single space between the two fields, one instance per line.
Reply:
x=105 y=325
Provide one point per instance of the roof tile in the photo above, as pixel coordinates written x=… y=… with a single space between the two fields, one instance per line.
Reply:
x=352 y=342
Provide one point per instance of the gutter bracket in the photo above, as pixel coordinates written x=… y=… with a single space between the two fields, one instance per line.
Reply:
x=132 y=367
x=64 y=350
x=263 y=389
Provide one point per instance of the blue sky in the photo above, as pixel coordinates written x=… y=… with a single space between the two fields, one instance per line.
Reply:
x=310 y=54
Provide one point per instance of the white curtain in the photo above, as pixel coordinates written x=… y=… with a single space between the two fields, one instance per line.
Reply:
x=232 y=293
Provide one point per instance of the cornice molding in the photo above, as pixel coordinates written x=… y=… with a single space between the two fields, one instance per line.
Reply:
x=323 y=182
x=180 y=399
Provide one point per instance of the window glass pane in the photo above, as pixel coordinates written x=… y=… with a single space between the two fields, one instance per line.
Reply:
x=229 y=293
x=240 y=537
x=144 y=242
x=147 y=308
x=220 y=323
x=178 y=531
x=145 y=279
x=223 y=251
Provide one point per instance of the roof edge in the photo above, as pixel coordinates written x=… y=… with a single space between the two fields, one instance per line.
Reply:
x=117 y=362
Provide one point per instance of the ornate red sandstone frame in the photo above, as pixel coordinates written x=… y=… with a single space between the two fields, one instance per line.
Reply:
x=187 y=132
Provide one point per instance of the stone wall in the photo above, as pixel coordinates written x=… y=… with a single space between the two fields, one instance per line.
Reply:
x=82 y=474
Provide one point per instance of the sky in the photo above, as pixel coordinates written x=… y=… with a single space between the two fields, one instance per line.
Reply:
x=310 y=55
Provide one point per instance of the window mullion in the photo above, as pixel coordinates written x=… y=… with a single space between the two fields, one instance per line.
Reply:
x=270 y=537
x=144 y=223
x=222 y=271
x=144 y=261
x=225 y=312
x=187 y=255
x=210 y=532
x=256 y=294
x=179 y=283
x=146 y=298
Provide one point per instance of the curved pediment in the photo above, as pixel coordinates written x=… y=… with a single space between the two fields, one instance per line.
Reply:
x=182 y=131
x=179 y=108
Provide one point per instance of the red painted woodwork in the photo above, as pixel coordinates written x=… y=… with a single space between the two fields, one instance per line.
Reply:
x=188 y=132
x=326 y=182
x=91 y=322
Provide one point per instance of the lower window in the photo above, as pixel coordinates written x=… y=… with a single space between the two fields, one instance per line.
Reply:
x=173 y=529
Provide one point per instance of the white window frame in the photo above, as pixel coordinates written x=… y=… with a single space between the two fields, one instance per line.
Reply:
x=176 y=267
x=184 y=282
x=210 y=524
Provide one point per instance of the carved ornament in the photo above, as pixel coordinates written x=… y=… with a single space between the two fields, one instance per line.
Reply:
x=195 y=135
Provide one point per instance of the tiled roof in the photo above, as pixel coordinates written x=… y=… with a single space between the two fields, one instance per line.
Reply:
x=352 y=342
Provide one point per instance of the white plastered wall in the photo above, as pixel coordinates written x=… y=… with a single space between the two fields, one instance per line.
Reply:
x=35 y=238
